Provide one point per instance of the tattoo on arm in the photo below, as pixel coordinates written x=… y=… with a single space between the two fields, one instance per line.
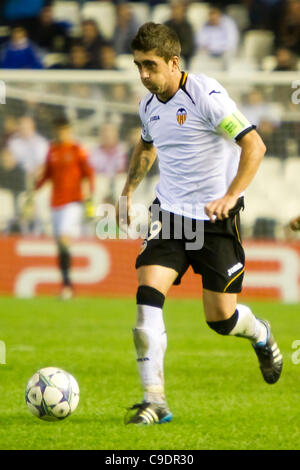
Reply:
x=138 y=169
x=140 y=163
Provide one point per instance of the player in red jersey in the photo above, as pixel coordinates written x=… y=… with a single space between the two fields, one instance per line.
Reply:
x=68 y=169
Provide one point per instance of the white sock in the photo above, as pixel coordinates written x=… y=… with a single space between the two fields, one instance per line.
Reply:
x=150 y=341
x=248 y=326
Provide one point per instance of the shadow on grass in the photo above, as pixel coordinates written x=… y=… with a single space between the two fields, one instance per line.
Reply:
x=26 y=420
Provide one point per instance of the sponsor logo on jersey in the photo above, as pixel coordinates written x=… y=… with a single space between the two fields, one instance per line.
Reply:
x=181 y=116
x=234 y=269
x=154 y=118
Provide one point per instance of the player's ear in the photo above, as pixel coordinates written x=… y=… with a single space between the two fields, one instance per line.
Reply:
x=174 y=63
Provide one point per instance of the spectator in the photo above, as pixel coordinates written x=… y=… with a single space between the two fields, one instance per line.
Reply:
x=12 y=177
x=126 y=28
x=183 y=28
x=28 y=148
x=20 y=12
x=219 y=36
x=48 y=34
x=92 y=40
x=107 y=58
x=109 y=158
x=290 y=31
x=20 y=52
x=266 y=14
x=79 y=58
x=286 y=60
x=266 y=117
x=10 y=126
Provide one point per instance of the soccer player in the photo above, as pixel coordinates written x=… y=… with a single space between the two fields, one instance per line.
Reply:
x=187 y=121
x=67 y=168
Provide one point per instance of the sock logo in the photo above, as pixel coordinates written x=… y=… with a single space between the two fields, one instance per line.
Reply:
x=234 y=269
x=143 y=359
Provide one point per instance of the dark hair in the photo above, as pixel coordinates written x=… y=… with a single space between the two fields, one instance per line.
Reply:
x=61 y=122
x=91 y=22
x=158 y=37
x=218 y=6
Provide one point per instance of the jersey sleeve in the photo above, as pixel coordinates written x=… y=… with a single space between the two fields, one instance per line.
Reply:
x=145 y=134
x=223 y=113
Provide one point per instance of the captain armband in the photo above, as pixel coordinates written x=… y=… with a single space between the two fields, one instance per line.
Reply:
x=235 y=126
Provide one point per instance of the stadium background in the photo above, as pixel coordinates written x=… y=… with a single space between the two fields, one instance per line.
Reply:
x=100 y=98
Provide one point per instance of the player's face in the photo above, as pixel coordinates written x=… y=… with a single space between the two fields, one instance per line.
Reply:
x=64 y=134
x=156 y=74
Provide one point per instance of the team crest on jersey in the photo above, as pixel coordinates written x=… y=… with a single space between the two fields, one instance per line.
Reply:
x=181 y=116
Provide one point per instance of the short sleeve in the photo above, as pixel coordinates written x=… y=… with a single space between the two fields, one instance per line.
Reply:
x=223 y=114
x=145 y=134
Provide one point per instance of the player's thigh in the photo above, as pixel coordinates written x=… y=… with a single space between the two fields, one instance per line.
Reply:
x=221 y=261
x=158 y=277
x=67 y=220
x=218 y=305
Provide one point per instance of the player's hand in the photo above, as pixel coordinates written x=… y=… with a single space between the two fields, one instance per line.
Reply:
x=219 y=209
x=295 y=224
x=27 y=208
x=123 y=211
x=89 y=209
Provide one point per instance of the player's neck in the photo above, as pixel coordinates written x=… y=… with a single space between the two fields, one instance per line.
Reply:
x=172 y=88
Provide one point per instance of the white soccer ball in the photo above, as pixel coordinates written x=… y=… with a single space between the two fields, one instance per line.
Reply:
x=52 y=394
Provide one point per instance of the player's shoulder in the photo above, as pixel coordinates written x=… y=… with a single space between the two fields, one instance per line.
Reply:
x=145 y=103
x=79 y=149
x=203 y=84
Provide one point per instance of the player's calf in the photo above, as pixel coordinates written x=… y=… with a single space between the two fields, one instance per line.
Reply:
x=64 y=263
x=150 y=342
x=242 y=324
x=245 y=325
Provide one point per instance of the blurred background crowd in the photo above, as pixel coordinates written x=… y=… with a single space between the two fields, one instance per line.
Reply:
x=228 y=38
x=92 y=34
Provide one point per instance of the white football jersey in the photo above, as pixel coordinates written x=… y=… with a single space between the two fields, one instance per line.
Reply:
x=194 y=133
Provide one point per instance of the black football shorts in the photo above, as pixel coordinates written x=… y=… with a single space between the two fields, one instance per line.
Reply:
x=220 y=260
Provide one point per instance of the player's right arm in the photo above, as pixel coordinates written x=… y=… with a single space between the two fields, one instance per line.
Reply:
x=141 y=161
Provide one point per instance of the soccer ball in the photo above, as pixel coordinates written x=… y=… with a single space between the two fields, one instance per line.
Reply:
x=52 y=394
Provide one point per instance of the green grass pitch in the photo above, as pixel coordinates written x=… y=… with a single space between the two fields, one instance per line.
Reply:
x=213 y=384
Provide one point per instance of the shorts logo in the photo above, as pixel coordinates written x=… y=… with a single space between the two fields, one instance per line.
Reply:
x=234 y=269
x=181 y=116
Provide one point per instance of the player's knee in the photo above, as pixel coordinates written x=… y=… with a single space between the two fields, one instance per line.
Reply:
x=63 y=240
x=63 y=244
x=224 y=327
x=147 y=295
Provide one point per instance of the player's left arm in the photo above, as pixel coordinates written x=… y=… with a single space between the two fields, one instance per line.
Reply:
x=253 y=150
x=87 y=174
x=87 y=183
